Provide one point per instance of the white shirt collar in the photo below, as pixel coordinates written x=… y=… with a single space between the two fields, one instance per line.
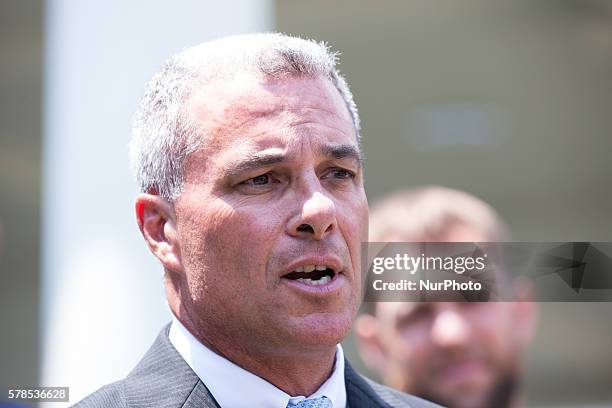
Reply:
x=214 y=371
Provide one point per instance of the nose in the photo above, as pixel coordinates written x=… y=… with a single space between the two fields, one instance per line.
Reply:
x=316 y=218
x=449 y=329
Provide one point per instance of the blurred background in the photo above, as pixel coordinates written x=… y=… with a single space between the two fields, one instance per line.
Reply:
x=508 y=100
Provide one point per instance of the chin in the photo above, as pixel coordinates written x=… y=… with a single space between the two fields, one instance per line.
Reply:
x=474 y=397
x=322 y=329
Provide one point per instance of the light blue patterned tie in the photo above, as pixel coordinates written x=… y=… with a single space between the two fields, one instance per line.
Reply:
x=322 y=402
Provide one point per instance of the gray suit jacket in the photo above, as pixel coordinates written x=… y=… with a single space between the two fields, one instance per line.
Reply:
x=163 y=379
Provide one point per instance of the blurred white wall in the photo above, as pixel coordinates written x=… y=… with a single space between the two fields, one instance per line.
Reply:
x=103 y=301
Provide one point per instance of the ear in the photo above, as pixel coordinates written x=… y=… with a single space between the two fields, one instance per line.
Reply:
x=157 y=222
x=525 y=311
x=368 y=342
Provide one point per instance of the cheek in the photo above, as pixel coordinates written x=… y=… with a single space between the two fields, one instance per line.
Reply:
x=245 y=237
x=406 y=356
x=414 y=343
x=211 y=228
x=493 y=328
x=225 y=251
x=353 y=220
x=361 y=211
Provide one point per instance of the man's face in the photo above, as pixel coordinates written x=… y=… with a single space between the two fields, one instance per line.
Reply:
x=458 y=354
x=275 y=189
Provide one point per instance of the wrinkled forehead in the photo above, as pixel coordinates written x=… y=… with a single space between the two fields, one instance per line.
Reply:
x=225 y=108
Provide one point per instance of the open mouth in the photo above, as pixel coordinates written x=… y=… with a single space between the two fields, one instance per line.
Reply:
x=314 y=275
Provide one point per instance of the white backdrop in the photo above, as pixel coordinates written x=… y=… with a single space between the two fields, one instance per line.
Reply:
x=103 y=301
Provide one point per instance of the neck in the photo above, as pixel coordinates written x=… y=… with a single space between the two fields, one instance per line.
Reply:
x=295 y=375
x=297 y=371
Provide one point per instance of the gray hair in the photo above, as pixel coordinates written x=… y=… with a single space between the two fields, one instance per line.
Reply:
x=163 y=135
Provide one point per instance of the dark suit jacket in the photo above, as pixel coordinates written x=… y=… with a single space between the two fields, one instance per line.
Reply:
x=163 y=379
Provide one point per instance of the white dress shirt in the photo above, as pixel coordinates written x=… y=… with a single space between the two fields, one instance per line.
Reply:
x=234 y=387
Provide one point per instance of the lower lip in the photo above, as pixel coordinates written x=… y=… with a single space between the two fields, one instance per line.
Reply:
x=330 y=287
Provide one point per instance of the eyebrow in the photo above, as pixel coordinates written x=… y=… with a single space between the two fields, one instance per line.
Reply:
x=344 y=151
x=254 y=161
x=258 y=160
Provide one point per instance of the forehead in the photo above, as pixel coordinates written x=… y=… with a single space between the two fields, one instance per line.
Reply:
x=391 y=311
x=452 y=231
x=394 y=313
x=247 y=108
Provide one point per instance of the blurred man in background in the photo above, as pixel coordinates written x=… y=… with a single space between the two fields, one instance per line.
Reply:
x=458 y=354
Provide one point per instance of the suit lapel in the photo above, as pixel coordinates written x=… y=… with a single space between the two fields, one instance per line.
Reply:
x=358 y=392
x=163 y=378
x=200 y=397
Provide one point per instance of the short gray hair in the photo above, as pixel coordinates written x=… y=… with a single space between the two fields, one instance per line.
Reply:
x=163 y=135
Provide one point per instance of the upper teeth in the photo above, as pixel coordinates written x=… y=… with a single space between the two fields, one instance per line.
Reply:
x=310 y=268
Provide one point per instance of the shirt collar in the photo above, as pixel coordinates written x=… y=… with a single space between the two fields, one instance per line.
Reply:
x=214 y=371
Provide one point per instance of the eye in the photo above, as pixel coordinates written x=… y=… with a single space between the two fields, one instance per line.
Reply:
x=260 y=180
x=259 y=184
x=421 y=313
x=342 y=174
